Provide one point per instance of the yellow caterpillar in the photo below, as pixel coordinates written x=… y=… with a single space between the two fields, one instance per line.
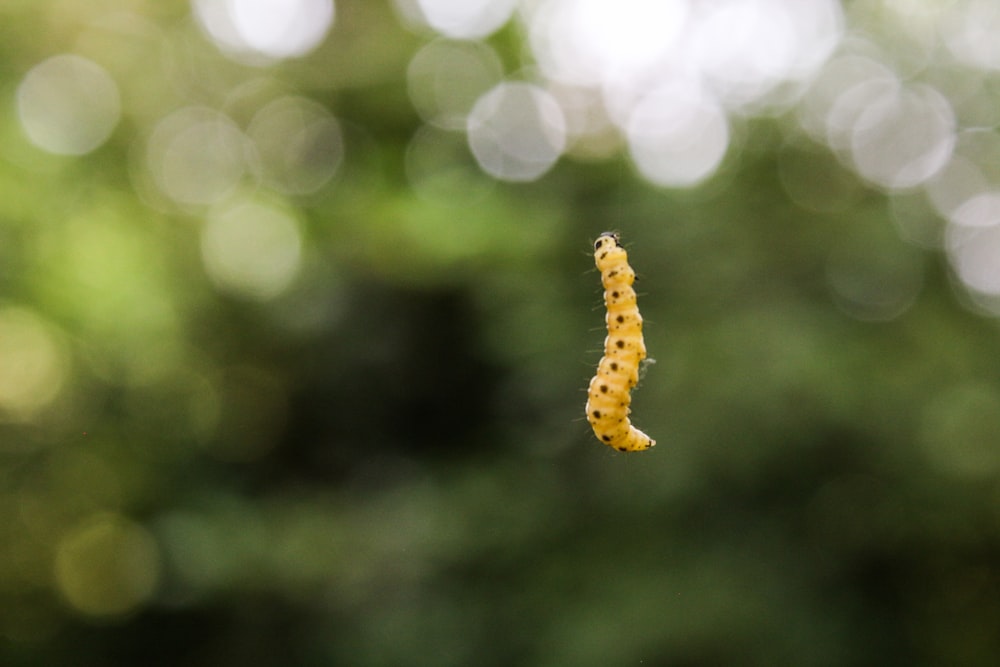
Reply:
x=608 y=396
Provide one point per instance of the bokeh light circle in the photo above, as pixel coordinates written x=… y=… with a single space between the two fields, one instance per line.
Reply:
x=973 y=253
x=252 y=248
x=592 y=42
x=903 y=137
x=446 y=77
x=197 y=156
x=299 y=144
x=517 y=131
x=677 y=139
x=33 y=363
x=459 y=19
x=68 y=105
x=108 y=565
x=260 y=31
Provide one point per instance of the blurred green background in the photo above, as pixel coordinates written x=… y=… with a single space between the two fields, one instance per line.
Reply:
x=298 y=310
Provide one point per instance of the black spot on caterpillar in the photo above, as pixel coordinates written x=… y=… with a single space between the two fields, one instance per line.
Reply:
x=618 y=371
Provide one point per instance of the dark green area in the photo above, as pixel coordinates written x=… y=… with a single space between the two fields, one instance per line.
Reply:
x=388 y=464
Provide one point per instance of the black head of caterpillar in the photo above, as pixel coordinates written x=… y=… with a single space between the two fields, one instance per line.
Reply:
x=608 y=398
x=607 y=240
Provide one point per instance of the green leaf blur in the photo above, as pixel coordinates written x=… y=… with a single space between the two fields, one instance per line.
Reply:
x=293 y=352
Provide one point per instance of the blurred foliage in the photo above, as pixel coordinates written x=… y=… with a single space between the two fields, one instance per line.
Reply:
x=387 y=463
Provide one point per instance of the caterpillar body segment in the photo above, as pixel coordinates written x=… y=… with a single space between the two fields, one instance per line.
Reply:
x=608 y=397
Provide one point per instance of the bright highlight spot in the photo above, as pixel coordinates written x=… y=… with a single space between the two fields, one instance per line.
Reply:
x=68 y=105
x=903 y=137
x=593 y=42
x=967 y=191
x=837 y=96
x=259 y=31
x=299 y=144
x=196 y=156
x=677 y=138
x=460 y=19
x=252 y=249
x=970 y=33
x=981 y=210
x=975 y=255
x=517 y=132
x=107 y=566
x=746 y=48
x=666 y=72
x=33 y=364
x=895 y=135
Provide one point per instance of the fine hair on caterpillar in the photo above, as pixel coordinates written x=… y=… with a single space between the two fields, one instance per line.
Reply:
x=609 y=393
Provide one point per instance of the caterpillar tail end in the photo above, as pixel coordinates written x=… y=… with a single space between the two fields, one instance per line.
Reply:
x=636 y=441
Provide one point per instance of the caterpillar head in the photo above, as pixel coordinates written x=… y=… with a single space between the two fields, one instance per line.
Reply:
x=609 y=252
x=607 y=240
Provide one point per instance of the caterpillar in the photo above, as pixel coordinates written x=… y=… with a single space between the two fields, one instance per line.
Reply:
x=618 y=371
